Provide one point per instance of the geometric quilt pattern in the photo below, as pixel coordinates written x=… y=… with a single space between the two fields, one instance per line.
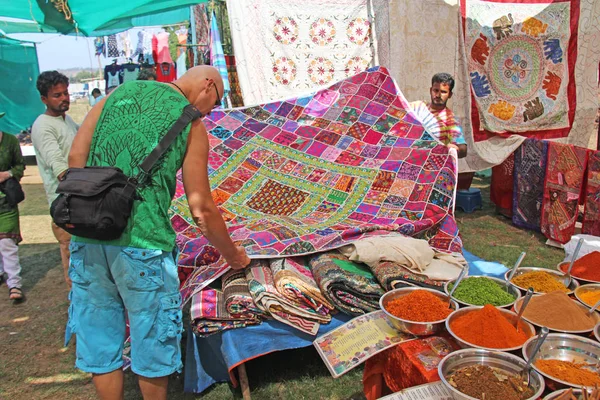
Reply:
x=317 y=172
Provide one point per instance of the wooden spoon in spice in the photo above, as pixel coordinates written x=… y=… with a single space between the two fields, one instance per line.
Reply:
x=528 y=296
x=538 y=345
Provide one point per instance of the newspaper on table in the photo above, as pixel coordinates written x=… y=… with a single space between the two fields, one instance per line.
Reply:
x=356 y=341
x=429 y=391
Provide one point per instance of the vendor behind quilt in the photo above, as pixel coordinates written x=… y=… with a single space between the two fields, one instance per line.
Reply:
x=313 y=173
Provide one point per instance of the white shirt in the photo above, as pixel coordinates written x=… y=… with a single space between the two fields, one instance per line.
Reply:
x=52 y=138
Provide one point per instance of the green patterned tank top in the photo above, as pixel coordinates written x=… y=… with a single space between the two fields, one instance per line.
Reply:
x=134 y=119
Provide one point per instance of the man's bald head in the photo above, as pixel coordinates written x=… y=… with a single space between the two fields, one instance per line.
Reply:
x=199 y=83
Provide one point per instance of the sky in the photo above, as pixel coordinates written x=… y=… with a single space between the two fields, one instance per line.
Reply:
x=60 y=52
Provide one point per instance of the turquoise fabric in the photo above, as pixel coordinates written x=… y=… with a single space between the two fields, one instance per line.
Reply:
x=89 y=16
x=18 y=96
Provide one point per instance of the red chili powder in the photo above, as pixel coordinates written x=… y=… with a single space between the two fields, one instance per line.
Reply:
x=419 y=306
x=487 y=327
x=587 y=267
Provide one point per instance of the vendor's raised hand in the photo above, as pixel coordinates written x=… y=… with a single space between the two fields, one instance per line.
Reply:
x=452 y=146
x=240 y=260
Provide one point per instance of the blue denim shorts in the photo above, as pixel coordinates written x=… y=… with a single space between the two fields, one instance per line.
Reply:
x=110 y=281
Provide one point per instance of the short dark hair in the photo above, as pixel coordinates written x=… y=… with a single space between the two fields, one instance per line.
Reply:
x=145 y=74
x=96 y=90
x=445 y=78
x=48 y=79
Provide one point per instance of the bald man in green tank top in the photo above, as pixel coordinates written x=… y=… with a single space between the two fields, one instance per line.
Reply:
x=137 y=273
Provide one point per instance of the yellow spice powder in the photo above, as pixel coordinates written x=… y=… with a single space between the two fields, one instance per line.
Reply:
x=540 y=281
x=590 y=298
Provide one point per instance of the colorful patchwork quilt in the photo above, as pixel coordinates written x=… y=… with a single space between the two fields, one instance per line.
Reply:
x=562 y=189
x=521 y=62
x=529 y=177
x=591 y=216
x=314 y=173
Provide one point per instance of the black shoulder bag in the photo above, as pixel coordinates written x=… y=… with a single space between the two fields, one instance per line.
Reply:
x=96 y=202
x=13 y=191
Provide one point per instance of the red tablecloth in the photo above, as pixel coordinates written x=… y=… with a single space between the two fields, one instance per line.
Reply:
x=408 y=364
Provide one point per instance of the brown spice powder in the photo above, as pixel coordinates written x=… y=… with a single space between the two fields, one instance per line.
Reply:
x=483 y=382
x=558 y=311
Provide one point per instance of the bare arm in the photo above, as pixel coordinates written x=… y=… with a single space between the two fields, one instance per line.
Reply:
x=202 y=207
x=80 y=149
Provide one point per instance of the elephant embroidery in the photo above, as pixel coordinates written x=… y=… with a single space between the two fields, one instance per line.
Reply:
x=480 y=84
x=533 y=27
x=502 y=110
x=551 y=84
x=480 y=49
x=552 y=50
x=503 y=26
x=533 y=109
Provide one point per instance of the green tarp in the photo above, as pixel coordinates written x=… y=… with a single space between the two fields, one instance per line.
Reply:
x=94 y=18
x=19 y=97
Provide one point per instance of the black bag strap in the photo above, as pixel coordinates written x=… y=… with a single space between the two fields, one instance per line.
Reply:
x=190 y=113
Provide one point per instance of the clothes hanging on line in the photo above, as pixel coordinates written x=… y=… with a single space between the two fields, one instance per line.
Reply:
x=112 y=76
x=181 y=68
x=124 y=44
x=160 y=48
x=113 y=49
x=100 y=46
x=166 y=72
x=130 y=72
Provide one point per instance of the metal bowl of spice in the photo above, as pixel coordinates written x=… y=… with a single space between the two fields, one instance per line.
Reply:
x=597 y=332
x=562 y=394
x=488 y=328
x=588 y=294
x=540 y=280
x=482 y=290
x=559 y=313
x=566 y=360
x=493 y=374
x=418 y=311
x=586 y=268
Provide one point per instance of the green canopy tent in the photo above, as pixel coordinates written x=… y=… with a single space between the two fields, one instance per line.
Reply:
x=18 y=95
x=96 y=18
x=18 y=59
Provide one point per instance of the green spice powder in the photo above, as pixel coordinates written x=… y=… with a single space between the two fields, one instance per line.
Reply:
x=482 y=291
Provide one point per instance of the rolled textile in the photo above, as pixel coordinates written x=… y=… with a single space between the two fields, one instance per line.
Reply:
x=350 y=287
x=294 y=280
x=209 y=314
x=238 y=300
x=267 y=298
x=392 y=275
x=414 y=254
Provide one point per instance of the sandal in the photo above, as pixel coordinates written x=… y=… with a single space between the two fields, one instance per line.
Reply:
x=16 y=295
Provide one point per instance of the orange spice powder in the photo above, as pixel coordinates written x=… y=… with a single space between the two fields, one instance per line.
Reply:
x=487 y=327
x=419 y=306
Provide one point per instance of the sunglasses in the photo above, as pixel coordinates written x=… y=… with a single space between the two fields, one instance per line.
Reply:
x=218 y=102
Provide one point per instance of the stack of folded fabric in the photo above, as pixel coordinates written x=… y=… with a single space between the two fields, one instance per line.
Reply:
x=350 y=287
x=294 y=280
x=238 y=300
x=209 y=314
x=399 y=261
x=267 y=298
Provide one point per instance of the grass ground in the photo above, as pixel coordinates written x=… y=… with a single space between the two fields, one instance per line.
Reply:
x=35 y=365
